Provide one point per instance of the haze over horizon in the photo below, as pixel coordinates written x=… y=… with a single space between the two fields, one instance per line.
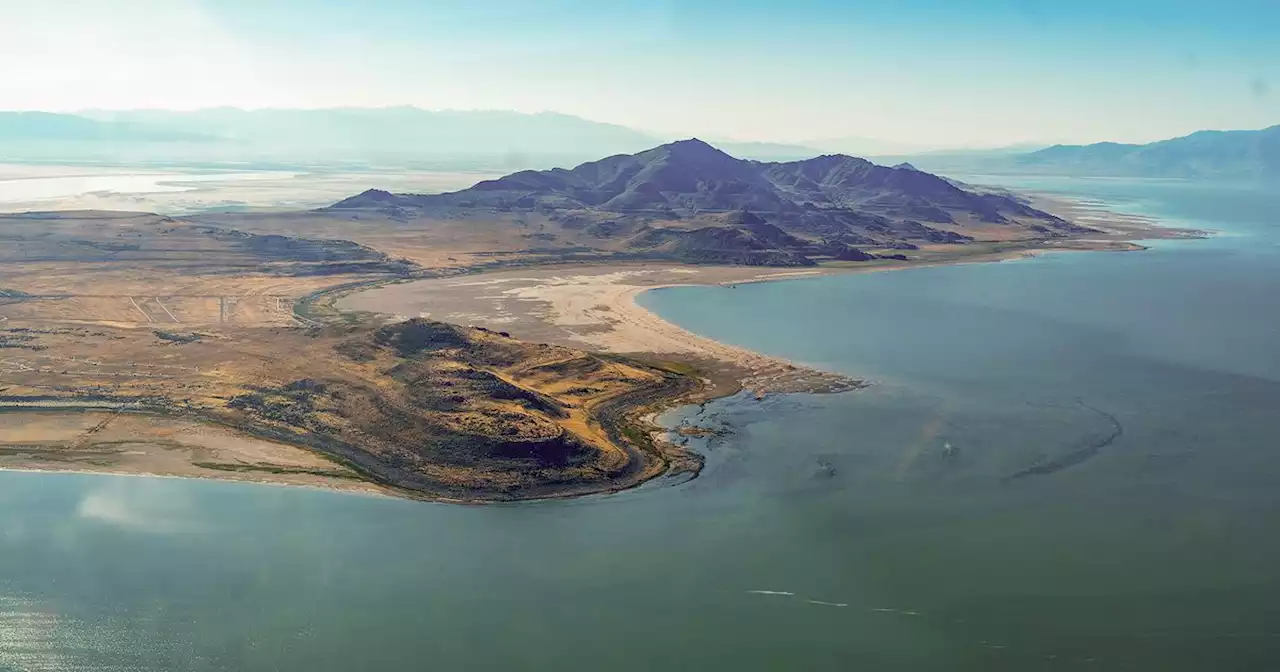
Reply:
x=900 y=73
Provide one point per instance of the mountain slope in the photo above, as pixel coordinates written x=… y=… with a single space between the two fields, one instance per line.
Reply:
x=691 y=201
x=1204 y=154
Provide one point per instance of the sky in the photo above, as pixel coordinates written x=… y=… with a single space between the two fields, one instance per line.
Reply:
x=921 y=73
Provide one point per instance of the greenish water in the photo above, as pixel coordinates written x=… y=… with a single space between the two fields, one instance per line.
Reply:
x=885 y=527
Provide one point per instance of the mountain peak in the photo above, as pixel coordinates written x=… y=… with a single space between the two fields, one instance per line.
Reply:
x=692 y=147
x=368 y=198
x=830 y=160
x=691 y=143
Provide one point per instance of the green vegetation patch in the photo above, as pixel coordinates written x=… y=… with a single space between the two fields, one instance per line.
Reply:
x=239 y=467
x=180 y=339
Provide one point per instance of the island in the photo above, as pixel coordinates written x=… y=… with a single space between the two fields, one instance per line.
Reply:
x=481 y=345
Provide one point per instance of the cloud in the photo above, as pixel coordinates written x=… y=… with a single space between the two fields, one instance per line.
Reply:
x=149 y=505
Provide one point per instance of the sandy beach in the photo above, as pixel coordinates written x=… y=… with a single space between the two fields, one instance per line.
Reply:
x=594 y=307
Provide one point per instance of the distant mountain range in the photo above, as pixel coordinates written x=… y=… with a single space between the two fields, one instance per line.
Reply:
x=496 y=140
x=380 y=136
x=1205 y=154
x=688 y=200
x=395 y=136
x=19 y=127
x=408 y=130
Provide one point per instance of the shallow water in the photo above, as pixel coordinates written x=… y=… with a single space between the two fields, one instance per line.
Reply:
x=212 y=188
x=883 y=529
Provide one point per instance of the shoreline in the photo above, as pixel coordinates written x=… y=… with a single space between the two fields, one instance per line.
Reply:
x=372 y=491
x=87 y=437
x=596 y=308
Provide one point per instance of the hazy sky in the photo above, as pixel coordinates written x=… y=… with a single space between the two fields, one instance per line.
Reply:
x=927 y=72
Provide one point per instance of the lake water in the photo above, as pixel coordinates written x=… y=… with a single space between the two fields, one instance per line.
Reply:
x=24 y=189
x=1067 y=463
